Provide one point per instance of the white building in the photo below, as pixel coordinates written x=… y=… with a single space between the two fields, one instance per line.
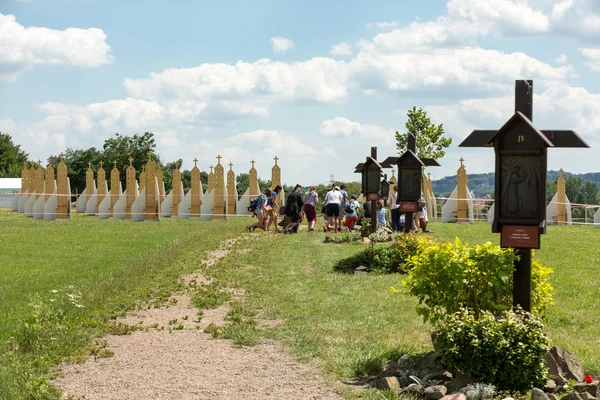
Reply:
x=8 y=188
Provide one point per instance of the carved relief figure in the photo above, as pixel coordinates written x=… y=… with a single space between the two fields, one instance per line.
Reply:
x=510 y=193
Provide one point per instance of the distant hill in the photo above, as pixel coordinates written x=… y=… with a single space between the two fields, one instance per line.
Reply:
x=483 y=184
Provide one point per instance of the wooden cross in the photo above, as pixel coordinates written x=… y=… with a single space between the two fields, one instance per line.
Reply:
x=429 y=175
x=101 y=162
x=195 y=161
x=176 y=164
x=219 y=159
x=461 y=161
x=211 y=168
x=149 y=156
x=561 y=171
x=231 y=166
x=61 y=156
x=25 y=164
x=276 y=158
x=252 y=163
x=130 y=161
x=89 y=165
x=114 y=164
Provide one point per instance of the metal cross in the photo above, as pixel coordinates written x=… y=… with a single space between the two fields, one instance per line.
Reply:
x=195 y=161
x=252 y=163
x=130 y=161
x=276 y=158
x=219 y=159
x=231 y=166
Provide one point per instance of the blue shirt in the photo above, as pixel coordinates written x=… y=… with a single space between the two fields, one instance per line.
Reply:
x=356 y=205
x=271 y=201
x=261 y=201
x=381 y=217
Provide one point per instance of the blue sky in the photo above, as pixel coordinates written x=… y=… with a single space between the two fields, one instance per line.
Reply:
x=206 y=77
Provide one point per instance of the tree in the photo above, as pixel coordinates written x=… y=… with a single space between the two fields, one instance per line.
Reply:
x=573 y=185
x=550 y=190
x=430 y=138
x=12 y=158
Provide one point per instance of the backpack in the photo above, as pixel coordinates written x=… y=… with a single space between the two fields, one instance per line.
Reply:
x=253 y=204
x=350 y=207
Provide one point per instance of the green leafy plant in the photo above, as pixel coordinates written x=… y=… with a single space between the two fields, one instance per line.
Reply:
x=424 y=382
x=448 y=277
x=505 y=351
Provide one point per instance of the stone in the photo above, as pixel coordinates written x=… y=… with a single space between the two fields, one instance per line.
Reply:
x=591 y=388
x=455 y=396
x=361 y=273
x=405 y=359
x=538 y=394
x=329 y=239
x=571 y=396
x=510 y=398
x=586 y=396
x=435 y=392
x=361 y=268
x=551 y=386
x=552 y=396
x=460 y=381
x=438 y=374
x=388 y=382
x=412 y=389
x=432 y=360
x=560 y=382
x=366 y=240
x=564 y=364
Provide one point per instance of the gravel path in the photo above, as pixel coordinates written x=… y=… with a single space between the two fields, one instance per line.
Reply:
x=189 y=364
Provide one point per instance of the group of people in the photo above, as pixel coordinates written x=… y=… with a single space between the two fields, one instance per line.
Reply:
x=337 y=208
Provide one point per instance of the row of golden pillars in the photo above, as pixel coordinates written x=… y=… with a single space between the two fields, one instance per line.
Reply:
x=39 y=181
x=152 y=177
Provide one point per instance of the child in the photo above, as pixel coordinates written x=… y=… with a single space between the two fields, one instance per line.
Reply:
x=381 y=216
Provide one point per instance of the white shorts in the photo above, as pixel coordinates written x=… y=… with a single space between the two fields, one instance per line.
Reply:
x=258 y=211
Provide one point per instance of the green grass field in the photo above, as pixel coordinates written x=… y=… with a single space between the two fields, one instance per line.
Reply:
x=349 y=324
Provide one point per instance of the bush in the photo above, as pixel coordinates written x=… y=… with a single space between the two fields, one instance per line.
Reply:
x=506 y=352
x=388 y=258
x=451 y=276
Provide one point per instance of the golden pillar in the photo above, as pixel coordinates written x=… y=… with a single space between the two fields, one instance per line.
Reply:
x=231 y=191
x=62 y=190
x=49 y=181
x=211 y=180
x=253 y=181
x=196 y=187
x=219 y=190
x=130 y=188
x=24 y=178
x=32 y=178
x=276 y=180
x=177 y=194
x=561 y=198
x=151 y=194
x=101 y=190
x=143 y=178
x=89 y=182
x=461 y=192
x=393 y=180
x=39 y=179
x=115 y=181
x=159 y=179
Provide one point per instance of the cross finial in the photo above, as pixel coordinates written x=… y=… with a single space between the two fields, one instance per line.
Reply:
x=252 y=163
x=149 y=156
x=461 y=161
x=211 y=169
x=89 y=165
x=429 y=175
x=101 y=162
x=231 y=166
x=114 y=164
x=276 y=158
x=62 y=156
x=219 y=158
x=25 y=163
x=561 y=171
x=130 y=161
x=39 y=163
x=177 y=164
x=195 y=162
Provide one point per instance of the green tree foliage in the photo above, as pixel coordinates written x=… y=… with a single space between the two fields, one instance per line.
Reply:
x=550 y=190
x=430 y=138
x=12 y=157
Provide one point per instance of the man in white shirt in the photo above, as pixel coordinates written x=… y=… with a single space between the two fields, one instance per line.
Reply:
x=333 y=206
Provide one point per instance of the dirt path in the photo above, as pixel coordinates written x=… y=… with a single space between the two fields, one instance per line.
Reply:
x=187 y=363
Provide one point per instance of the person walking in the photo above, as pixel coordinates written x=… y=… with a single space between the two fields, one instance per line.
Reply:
x=395 y=207
x=381 y=215
x=343 y=205
x=260 y=212
x=311 y=198
x=271 y=208
x=334 y=204
x=293 y=208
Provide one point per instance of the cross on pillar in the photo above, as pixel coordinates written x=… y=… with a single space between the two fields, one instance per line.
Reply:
x=276 y=158
x=219 y=159
x=252 y=163
x=149 y=156
x=62 y=156
x=561 y=171
x=429 y=175
x=89 y=165
x=461 y=162
x=114 y=164
x=195 y=163
x=130 y=161
x=39 y=163
x=101 y=162
x=231 y=166
x=211 y=169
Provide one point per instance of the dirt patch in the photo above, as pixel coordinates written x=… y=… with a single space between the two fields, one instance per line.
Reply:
x=308 y=269
x=182 y=362
x=215 y=255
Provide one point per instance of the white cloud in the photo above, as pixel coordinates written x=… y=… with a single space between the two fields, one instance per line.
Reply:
x=593 y=57
x=561 y=59
x=382 y=25
x=22 y=48
x=281 y=44
x=341 y=49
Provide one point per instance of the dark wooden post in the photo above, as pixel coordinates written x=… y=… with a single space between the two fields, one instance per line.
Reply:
x=374 y=202
x=408 y=217
x=522 y=273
